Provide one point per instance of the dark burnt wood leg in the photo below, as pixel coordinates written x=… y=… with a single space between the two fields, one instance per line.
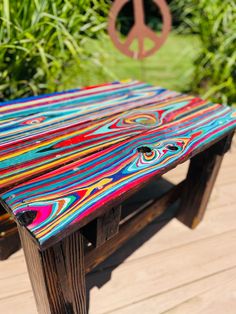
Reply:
x=9 y=237
x=57 y=274
x=201 y=177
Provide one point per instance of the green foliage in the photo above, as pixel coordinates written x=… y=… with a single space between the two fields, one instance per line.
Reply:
x=215 y=22
x=41 y=39
x=171 y=67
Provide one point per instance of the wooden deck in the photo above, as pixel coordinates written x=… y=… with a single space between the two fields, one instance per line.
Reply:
x=168 y=269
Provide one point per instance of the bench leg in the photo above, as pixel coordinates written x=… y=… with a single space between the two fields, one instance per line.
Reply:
x=201 y=177
x=9 y=237
x=57 y=274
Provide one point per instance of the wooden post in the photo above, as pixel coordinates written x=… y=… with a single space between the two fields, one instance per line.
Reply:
x=201 y=177
x=57 y=274
x=103 y=228
x=132 y=226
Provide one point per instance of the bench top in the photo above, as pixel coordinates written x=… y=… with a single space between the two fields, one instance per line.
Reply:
x=66 y=157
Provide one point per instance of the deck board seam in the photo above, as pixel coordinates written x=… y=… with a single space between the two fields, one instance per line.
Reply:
x=170 y=290
x=163 y=251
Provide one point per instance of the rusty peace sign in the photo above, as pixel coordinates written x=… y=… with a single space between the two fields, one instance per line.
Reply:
x=140 y=30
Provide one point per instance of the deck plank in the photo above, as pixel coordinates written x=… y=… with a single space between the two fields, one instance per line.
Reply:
x=163 y=271
x=201 y=296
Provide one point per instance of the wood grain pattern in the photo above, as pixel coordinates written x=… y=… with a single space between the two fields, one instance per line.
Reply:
x=106 y=162
x=28 y=158
x=17 y=295
x=57 y=275
x=156 y=286
x=24 y=118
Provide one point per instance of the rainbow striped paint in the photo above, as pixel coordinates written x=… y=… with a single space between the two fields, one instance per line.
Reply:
x=64 y=156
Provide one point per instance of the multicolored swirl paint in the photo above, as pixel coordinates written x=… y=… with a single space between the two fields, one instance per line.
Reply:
x=64 y=156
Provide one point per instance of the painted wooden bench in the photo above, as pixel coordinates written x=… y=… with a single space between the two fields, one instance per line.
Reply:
x=69 y=160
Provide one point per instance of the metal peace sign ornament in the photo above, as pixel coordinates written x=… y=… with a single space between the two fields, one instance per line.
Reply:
x=140 y=30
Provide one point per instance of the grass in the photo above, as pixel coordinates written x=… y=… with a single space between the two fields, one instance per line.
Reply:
x=171 y=67
x=39 y=39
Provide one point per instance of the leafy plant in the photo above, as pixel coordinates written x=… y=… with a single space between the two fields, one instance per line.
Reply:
x=41 y=39
x=214 y=21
